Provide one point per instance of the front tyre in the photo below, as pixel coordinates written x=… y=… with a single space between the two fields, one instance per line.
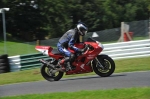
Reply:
x=49 y=74
x=106 y=66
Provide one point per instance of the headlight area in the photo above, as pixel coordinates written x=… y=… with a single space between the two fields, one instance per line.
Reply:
x=100 y=44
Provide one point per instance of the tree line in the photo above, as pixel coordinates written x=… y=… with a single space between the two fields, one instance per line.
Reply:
x=37 y=19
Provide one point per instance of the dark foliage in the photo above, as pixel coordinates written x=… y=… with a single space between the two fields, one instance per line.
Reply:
x=30 y=20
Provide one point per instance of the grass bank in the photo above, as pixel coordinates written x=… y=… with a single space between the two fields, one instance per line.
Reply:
x=126 y=93
x=17 y=48
x=125 y=65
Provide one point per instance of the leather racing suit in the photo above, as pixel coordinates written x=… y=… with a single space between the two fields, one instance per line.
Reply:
x=68 y=40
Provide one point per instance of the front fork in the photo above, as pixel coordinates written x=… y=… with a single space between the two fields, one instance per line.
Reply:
x=99 y=65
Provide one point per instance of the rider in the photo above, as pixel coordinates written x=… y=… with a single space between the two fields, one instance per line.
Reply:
x=68 y=40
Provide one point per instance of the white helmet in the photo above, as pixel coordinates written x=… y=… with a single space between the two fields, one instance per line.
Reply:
x=82 y=29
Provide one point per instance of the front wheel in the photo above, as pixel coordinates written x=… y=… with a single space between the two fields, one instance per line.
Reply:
x=103 y=65
x=50 y=74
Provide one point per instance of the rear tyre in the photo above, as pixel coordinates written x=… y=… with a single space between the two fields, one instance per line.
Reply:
x=107 y=63
x=47 y=74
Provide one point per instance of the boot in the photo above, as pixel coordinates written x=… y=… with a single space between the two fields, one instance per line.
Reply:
x=64 y=65
x=67 y=66
x=68 y=62
x=61 y=64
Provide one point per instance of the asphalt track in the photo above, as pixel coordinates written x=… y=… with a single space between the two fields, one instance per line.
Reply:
x=118 y=80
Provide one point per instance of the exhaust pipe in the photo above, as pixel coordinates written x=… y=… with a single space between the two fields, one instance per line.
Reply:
x=46 y=63
x=50 y=65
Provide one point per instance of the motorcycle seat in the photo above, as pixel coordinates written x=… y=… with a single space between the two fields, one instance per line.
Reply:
x=55 y=51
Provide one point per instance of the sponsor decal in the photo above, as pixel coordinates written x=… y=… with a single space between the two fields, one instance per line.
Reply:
x=90 y=57
x=82 y=66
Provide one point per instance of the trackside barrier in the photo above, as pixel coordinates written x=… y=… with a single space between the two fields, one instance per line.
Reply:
x=24 y=62
x=120 y=50
x=131 y=49
x=4 y=64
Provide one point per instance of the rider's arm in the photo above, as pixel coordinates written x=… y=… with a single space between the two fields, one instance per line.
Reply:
x=72 y=42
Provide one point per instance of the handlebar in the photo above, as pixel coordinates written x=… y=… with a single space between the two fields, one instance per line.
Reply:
x=86 y=47
x=85 y=50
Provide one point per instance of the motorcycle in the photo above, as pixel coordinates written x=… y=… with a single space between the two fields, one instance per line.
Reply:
x=86 y=62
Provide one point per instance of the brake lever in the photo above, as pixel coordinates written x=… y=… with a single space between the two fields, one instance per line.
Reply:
x=86 y=51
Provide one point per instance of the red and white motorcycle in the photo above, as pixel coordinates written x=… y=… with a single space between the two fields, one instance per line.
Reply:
x=89 y=61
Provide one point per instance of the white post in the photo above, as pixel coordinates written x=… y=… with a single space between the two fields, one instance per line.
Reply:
x=149 y=27
x=4 y=26
x=122 y=32
x=4 y=31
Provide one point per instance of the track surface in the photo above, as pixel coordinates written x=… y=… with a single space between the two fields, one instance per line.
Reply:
x=118 y=80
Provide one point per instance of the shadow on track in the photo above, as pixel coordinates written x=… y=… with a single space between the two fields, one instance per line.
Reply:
x=92 y=77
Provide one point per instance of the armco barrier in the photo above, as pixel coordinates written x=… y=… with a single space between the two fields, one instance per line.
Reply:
x=120 y=50
x=131 y=49
x=23 y=62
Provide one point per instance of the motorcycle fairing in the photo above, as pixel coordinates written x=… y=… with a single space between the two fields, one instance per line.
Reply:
x=83 y=62
x=44 y=49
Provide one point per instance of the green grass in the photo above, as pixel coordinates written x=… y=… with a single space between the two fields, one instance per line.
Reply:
x=16 y=48
x=126 y=93
x=140 y=38
x=125 y=65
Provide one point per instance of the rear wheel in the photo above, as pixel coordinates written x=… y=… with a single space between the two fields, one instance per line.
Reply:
x=50 y=74
x=103 y=66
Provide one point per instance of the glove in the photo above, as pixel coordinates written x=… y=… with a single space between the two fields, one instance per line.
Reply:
x=83 y=50
x=80 y=50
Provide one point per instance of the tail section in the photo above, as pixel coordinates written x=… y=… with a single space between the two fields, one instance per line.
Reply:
x=44 y=49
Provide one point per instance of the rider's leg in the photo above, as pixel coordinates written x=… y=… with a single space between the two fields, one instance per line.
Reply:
x=67 y=63
x=69 y=60
x=72 y=59
x=67 y=55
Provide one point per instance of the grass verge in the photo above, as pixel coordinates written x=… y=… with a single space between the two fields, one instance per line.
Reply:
x=125 y=65
x=126 y=93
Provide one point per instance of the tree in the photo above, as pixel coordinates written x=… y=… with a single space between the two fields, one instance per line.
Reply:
x=57 y=18
x=35 y=20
